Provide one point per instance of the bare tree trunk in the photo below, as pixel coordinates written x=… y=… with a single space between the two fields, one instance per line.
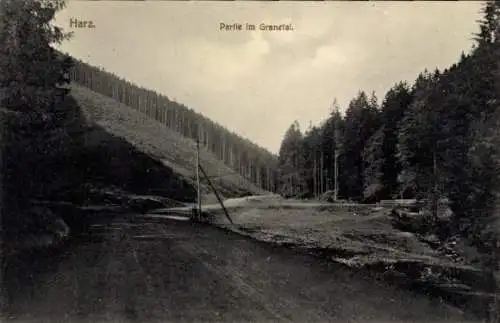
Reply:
x=164 y=111
x=322 y=174
x=206 y=135
x=224 y=159
x=198 y=176
x=231 y=155
x=315 y=178
x=434 y=205
x=336 y=174
x=259 y=182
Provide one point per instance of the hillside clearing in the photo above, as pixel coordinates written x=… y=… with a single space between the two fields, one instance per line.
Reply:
x=156 y=140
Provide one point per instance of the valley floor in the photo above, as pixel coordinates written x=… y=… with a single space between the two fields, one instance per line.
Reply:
x=133 y=270
x=362 y=236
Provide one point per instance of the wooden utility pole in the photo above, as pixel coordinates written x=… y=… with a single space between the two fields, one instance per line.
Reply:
x=336 y=157
x=198 y=176
x=216 y=194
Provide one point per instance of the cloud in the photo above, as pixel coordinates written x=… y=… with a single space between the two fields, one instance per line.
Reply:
x=222 y=66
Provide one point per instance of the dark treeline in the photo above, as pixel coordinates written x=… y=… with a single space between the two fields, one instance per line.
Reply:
x=32 y=113
x=437 y=138
x=251 y=161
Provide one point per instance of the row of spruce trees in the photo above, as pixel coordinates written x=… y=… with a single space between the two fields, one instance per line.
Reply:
x=437 y=138
x=248 y=159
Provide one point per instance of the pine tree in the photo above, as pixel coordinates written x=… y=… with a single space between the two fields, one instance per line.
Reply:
x=489 y=24
x=480 y=214
x=30 y=69
x=417 y=139
x=330 y=144
x=373 y=158
x=291 y=163
x=361 y=121
x=31 y=75
x=311 y=145
x=394 y=106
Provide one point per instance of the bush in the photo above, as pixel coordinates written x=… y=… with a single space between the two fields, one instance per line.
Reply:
x=416 y=222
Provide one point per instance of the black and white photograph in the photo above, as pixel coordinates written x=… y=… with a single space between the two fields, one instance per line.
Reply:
x=249 y=161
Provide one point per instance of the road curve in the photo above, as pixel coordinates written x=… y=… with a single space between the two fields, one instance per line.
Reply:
x=130 y=271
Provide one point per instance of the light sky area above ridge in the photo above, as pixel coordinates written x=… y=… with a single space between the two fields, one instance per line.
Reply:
x=256 y=83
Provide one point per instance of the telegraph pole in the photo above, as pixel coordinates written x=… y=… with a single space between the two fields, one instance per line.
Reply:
x=336 y=151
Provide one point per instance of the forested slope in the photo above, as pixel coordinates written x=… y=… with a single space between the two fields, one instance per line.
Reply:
x=90 y=150
x=435 y=140
x=248 y=159
x=154 y=139
x=428 y=140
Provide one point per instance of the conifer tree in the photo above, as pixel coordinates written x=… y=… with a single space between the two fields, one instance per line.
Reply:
x=373 y=158
x=311 y=147
x=489 y=24
x=394 y=106
x=361 y=122
x=330 y=144
x=417 y=138
x=30 y=69
x=291 y=162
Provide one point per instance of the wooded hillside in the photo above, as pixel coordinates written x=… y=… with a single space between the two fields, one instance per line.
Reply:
x=434 y=140
x=251 y=161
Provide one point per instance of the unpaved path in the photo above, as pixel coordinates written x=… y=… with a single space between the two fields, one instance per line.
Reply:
x=177 y=271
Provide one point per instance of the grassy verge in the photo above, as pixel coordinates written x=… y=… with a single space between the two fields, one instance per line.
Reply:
x=363 y=237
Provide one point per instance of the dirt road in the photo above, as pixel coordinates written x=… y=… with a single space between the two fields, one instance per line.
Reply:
x=181 y=272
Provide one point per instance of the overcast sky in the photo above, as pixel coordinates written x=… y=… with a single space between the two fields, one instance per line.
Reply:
x=257 y=83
